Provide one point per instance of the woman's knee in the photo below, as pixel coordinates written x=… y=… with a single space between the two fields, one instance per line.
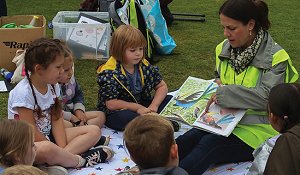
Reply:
x=211 y=141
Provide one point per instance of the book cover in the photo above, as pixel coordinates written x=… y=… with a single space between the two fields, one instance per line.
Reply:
x=189 y=103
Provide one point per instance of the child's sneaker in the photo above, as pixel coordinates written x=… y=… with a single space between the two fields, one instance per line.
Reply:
x=103 y=141
x=99 y=154
x=53 y=170
x=176 y=125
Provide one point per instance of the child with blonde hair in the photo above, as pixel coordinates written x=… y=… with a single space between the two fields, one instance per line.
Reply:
x=73 y=99
x=23 y=170
x=127 y=80
x=35 y=99
x=16 y=143
x=148 y=136
x=21 y=150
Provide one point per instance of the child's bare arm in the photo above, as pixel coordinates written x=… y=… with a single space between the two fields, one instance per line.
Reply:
x=161 y=91
x=116 y=104
x=27 y=115
x=58 y=131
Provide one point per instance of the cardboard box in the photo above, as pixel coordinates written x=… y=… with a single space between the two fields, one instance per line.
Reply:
x=12 y=39
x=86 y=33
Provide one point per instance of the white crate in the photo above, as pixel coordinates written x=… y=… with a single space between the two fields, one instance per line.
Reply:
x=86 y=40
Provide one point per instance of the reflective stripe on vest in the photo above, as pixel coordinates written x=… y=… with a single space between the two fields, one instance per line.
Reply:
x=291 y=72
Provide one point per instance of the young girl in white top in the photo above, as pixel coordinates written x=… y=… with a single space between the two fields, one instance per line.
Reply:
x=34 y=99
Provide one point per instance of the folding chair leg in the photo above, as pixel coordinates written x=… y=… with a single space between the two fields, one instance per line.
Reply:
x=188 y=17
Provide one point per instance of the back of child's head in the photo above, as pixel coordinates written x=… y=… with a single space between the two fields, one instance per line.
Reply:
x=125 y=36
x=148 y=139
x=42 y=51
x=23 y=170
x=284 y=102
x=16 y=137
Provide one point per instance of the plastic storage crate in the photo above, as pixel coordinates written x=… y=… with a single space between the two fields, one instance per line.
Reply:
x=86 y=33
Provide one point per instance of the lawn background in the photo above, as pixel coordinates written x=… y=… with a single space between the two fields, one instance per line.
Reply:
x=196 y=41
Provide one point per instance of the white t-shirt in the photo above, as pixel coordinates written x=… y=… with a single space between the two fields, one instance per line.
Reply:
x=21 y=96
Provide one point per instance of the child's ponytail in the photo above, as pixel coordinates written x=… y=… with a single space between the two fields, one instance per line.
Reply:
x=56 y=108
x=284 y=102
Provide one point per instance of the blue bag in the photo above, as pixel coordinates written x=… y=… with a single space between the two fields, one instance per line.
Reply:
x=163 y=42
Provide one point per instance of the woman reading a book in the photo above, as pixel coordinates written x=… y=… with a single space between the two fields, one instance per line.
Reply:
x=248 y=64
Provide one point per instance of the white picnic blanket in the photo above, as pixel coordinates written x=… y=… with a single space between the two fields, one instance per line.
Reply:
x=122 y=159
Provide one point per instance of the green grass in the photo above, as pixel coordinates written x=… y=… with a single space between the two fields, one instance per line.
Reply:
x=196 y=41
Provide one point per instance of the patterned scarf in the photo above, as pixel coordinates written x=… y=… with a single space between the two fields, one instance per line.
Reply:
x=240 y=59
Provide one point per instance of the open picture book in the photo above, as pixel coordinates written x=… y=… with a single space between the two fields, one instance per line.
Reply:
x=189 y=103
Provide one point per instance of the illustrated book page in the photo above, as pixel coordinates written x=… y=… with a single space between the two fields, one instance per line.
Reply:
x=191 y=97
x=218 y=120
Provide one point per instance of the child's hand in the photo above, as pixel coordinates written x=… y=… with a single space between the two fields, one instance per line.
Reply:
x=153 y=108
x=74 y=119
x=81 y=116
x=143 y=110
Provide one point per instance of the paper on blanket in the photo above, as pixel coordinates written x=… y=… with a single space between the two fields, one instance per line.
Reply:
x=2 y=86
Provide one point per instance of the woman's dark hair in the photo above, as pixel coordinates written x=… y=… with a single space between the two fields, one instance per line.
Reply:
x=245 y=10
x=43 y=51
x=284 y=102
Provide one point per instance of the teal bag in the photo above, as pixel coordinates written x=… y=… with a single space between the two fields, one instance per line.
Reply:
x=163 y=42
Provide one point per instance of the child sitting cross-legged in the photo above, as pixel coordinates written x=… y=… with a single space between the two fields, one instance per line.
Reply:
x=150 y=142
x=129 y=85
x=73 y=99
x=35 y=100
